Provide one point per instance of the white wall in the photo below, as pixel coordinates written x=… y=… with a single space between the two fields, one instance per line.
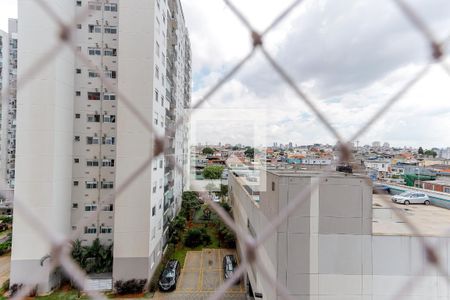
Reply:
x=44 y=141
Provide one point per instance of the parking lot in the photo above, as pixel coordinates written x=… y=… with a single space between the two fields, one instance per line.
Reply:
x=428 y=219
x=201 y=275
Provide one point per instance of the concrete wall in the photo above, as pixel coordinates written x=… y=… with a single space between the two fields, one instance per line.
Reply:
x=44 y=142
x=326 y=250
x=134 y=243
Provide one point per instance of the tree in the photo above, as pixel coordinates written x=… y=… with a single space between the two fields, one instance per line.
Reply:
x=420 y=150
x=235 y=148
x=176 y=227
x=249 y=152
x=430 y=153
x=189 y=204
x=213 y=172
x=208 y=151
x=223 y=191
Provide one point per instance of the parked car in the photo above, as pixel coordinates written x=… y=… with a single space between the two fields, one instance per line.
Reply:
x=229 y=266
x=411 y=198
x=169 y=276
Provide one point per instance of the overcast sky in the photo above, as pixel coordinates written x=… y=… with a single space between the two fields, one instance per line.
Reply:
x=350 y=56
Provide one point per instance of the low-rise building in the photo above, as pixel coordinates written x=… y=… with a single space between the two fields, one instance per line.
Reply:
x=331 y=246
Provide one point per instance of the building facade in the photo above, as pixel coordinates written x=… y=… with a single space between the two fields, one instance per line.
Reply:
x=8 y=79
x=89 y=140
x=333 y=246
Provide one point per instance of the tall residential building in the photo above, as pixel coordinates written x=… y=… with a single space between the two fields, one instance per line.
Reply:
x=8 y=78
x=78 y=142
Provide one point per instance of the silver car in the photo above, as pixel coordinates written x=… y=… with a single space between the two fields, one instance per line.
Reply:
x=411 y=198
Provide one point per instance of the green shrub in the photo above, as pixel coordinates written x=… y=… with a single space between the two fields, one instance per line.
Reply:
x=196 y=237
x=6 y=219
x=96 y=258
x=5 y=247
x=193 y=238
x=133 y=286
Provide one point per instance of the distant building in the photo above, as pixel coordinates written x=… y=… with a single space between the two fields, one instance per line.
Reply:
x=439 y=185
x=8 y=81
x=376 y=144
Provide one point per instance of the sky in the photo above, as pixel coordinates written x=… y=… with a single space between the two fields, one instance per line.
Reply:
x=349 y=56
x=8 y=9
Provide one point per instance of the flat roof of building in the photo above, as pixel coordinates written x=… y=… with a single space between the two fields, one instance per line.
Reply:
x=429 y=220
x=313 y=173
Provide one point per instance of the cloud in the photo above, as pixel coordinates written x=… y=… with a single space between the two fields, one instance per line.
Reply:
x=350 y=56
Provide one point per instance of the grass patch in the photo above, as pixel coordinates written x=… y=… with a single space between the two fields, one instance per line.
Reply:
x=60 y=295
x=3 y=234
x=181 y=250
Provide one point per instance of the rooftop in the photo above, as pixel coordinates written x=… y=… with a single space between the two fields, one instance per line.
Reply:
x=430 y=220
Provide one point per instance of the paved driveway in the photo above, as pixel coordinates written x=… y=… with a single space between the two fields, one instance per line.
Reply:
x=201 y=275
x=5 y=262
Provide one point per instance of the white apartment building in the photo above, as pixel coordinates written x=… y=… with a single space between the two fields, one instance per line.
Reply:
x=8 y=78
x=338 y=244
x=78 y=142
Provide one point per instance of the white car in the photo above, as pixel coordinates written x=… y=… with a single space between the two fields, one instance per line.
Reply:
x=411 y=198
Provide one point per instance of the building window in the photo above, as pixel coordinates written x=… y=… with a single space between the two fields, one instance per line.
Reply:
x=108 y=163
x=76 y=160
x=93 y=95
x=156 y=72
x=74 y=205
x=153 y=210
x=157 y=49
x=109 y=97
x=77 y=93
x=78 y=71
x=90 y=207
x=109 y=207
x=93 y=74
x=91 y=184
x=107 y=185
x=111 y=74
x=161 y=163
x=95 y=6
x=93 y=118
x=156 y=95
x=109 y=140
x=79 y=3
x=110 y=7
x=156 y=118
x=75 y=183
x=95 y=28
x=153 y=237
x=109 y=119
x=110 y=52
x=92 y=140
x=92 y=163
x=111 y=29
x=77 y=138
x=94 y=51
x=105 y=230
x=90 y=230
x=273 y=186
x=77 y=116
